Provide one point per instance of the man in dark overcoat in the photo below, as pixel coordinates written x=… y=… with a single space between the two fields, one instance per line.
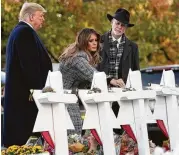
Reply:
x=118 y=53
x=27 y=66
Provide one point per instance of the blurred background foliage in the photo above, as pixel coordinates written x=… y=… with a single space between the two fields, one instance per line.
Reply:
x=156 y=29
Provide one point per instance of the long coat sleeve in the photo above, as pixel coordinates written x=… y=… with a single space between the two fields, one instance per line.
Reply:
x=78 y=70
x=27 y=66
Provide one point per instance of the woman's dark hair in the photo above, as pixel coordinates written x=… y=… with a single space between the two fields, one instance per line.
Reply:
x=81 y=44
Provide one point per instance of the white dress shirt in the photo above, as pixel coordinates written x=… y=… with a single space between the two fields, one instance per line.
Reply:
x=118 y=40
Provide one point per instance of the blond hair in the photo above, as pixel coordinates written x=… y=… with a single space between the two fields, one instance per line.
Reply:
x=28 y=9
x=81 y=44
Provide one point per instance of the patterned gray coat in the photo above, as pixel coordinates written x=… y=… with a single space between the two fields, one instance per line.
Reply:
x=77 y=70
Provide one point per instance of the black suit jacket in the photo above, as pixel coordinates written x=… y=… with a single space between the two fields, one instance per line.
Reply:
x=129 y=59
x=27 y=66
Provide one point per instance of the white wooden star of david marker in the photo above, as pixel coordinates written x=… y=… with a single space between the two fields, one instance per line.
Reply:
x=53 y=115
x=166 y=107
x=99 y=114
x=125 y=115
x=140 y=112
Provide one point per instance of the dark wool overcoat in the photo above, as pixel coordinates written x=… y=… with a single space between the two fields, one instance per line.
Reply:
x=27 y=66
x=129 y=59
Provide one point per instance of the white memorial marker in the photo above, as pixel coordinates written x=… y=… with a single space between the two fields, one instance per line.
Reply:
x=170 y=93
x=160 y=112
x=53 y=115
x=134 y=81
x=99 y=114
x=126 y=113
x=91 y=120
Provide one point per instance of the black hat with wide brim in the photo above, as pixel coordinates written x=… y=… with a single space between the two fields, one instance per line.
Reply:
x=122 y=15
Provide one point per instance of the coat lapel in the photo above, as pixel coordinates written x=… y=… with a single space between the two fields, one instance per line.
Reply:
x=127 y=49
x=106 y=44
x=40 y=42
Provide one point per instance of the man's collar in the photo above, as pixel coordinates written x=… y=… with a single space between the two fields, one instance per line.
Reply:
x=27 y=23
x=118 y=40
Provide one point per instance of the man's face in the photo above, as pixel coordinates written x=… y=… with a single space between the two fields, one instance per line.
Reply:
x=37 y=19
x=118 y=28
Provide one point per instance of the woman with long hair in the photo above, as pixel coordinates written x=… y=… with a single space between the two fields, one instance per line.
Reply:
x=77 y=64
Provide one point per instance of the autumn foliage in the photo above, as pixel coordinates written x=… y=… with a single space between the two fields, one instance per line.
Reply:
x=156 y=25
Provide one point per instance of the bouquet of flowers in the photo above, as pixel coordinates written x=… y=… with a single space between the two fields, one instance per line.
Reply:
x=129 y=146
x=86 y=145
x=23 y=150
x=33 y=146
x=166 y=145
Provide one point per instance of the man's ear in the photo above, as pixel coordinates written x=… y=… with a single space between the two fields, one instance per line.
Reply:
x=31 y=17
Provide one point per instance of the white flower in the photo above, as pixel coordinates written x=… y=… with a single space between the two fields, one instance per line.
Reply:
x=59 y=15
x=160 y=151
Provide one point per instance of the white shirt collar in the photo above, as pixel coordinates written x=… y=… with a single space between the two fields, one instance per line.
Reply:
x=118 y=40
x=26 y=23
